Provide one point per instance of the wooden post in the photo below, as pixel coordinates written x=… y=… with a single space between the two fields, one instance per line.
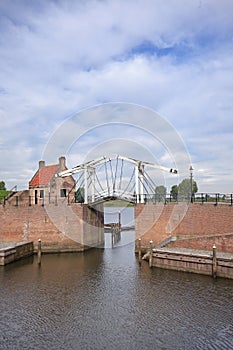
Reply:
x=139 y=251
x=119 y=219
x=112 y=232
x=39 y=252
x=151 y=251
x=215 y=263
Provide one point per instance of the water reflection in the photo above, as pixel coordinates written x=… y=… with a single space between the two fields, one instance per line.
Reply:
x=103 y=299
x=111 y=215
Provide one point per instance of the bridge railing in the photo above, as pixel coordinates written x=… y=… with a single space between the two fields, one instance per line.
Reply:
x=117 y=194
x=202 y=198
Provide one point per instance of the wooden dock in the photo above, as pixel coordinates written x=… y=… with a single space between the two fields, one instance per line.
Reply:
x=114 y=226
x=189 y=260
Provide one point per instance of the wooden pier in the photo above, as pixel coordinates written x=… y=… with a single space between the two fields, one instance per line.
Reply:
x=216 y=264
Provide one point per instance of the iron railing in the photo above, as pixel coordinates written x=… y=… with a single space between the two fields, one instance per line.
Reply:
x=202 y=198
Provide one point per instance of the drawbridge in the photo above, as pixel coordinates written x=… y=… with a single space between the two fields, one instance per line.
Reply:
x=111 y=178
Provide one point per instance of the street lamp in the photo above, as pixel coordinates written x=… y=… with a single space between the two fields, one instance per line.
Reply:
x=191 y=182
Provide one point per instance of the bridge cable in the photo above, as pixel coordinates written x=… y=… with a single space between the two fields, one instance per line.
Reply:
x=146 y=182
x=114 y=184
x=151 y=182
x=133 y=186
x=90 y=181
x=97 y=191
x=130 y=181
x=81 y=174
x=106 y=175
x=121 y=174
x=73 y=187
x=79 y=178
x=99 y=182
x=110 y=162
x=81 y=185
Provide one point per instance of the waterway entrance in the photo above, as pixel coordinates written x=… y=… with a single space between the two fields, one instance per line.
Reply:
x=124 y=214
x=103 y=299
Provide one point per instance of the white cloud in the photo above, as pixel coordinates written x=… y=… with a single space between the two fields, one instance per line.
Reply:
x=58 y=57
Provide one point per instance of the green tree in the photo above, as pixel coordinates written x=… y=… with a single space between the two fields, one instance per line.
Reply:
x=160 y=193
x=174 y=192
x=3 y=191
x=79 y=195
x=2 y=185
x=184 y=188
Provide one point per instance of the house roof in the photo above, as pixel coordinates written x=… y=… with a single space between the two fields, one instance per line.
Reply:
x=44 y=175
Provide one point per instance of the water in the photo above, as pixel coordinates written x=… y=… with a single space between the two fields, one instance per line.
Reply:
x=103 y=299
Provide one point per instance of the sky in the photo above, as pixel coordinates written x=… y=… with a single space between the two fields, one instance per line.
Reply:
x=62 y=61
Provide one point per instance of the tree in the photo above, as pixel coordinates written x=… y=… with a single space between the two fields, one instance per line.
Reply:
x=174 y=192
x=184 y=188
x=2 y=185
x=79 y=195
x=160 y=193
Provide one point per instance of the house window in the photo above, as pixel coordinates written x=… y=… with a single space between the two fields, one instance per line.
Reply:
x=63 y=192
x=41 y=193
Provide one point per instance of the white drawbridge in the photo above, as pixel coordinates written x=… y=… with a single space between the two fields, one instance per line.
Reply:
x=117 y=177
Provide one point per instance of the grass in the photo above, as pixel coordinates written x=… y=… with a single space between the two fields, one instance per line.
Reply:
x=118 y=203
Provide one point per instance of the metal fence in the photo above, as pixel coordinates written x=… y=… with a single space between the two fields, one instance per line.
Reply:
x=202 y=198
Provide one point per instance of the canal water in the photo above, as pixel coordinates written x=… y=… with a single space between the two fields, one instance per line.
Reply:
x=103 y=299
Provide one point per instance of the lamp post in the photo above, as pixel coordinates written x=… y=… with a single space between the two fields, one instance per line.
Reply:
x=191 y=182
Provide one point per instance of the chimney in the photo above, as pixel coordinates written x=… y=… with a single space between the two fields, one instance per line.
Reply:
x=62 y=163
x=41 y=164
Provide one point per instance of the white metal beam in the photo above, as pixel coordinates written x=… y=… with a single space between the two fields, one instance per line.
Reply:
x=141 y=178
x=94 y=163
x=85 y=185
x=136 y=183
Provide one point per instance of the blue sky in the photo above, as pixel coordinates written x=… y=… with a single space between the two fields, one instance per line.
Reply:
x=61 y=57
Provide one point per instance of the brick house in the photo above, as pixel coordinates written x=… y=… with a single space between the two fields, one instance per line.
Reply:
x=46 y=188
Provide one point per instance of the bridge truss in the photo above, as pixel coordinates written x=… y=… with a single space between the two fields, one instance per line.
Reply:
x=118 y=177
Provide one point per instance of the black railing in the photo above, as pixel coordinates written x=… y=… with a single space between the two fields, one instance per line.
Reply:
x=202 y=198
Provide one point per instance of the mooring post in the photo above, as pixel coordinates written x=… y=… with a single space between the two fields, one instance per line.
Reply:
x=119 y=219
x=215 y=263
x=139 y=251
x=112 y=232
x=150 y=256
x=39 y=252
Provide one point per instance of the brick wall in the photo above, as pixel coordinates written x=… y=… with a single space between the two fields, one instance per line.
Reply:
x=195 y=225
x=60 y=227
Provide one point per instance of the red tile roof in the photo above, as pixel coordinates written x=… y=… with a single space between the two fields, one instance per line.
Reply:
x=44 y=175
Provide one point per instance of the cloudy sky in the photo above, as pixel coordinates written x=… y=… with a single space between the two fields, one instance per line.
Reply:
x=60 y=57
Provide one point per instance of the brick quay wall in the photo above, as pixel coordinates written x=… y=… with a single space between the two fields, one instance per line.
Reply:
x=185 y=225
x=61 y=228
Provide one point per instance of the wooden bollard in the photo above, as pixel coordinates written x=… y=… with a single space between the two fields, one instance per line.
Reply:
x=39 y=252
x=139 y=250
x=215 y=263
x=119 y=219
x=150 y=256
